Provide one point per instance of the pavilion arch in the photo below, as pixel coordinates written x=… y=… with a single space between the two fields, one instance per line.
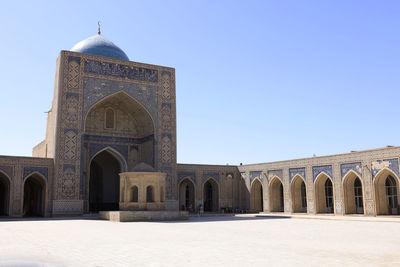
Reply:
x=276 y=196
x=5 y=194
x=134 y=194
x=353 y=193
x=211 y=195
x=386 y=184
x=256 y=196
x=298 y=189
x=187 y=195
x=324 y=193
x=34 y=188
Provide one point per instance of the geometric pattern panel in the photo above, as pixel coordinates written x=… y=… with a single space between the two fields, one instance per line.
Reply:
x=392 y=164
x=166 y=149
x=70 y=144
x=318 y=169
x=165 y=83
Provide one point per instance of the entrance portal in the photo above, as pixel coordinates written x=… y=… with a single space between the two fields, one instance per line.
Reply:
x=256 y=202
x=104 y=183
x=4 y=195
x=210 y=195
x=34 y=196
x=186 y=195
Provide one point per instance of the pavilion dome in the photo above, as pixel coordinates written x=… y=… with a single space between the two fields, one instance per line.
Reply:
x=99 y=46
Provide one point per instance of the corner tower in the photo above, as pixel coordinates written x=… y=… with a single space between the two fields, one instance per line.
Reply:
x=108 y=115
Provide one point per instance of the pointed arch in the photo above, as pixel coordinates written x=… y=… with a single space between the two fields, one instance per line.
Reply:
x=5 y=194
x=324 y=189
x=256 y=196
x=276 y=195
x=211 y=195
x=273 y=179
x=104 y=181
x=187 y=195
x=298 y=189
x=353 y=193
x=120 y=158
x=321 y=175
x=126 y=100
x=34 y=188
x=258 y=179
x=386 y=194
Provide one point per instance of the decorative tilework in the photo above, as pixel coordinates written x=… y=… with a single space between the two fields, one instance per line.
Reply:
x=166 y=149
x=116 y=139
x=42 y=170
x=73 y=74
x=356 y=167
x=190 y=175
x=294 y=171
x=207 y=175
x=318 y=169
x=69 y=181
x=70 y=144
x=166 y=116
x=392 y=164
x=165 y=83
x=120 y=71
x=72 y=106
x=254 y=175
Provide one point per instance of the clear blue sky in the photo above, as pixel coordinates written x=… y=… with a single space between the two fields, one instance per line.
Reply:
x=256 y=81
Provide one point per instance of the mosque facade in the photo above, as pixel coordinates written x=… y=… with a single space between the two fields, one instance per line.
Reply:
x=111 y=116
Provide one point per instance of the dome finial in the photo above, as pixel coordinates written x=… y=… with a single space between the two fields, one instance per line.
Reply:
x=98 y=28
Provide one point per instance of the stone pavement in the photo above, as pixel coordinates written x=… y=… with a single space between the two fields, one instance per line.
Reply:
x=244 y=240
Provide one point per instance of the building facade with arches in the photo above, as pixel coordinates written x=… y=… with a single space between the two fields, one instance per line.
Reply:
x=110 y=115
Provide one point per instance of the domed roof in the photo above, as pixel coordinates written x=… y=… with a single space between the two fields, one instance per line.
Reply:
x=99 y=46
x=143 y=167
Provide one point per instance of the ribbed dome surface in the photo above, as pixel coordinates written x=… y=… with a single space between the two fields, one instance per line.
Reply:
x=100 y=46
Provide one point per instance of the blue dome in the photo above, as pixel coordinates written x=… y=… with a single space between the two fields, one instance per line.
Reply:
x=99 y=46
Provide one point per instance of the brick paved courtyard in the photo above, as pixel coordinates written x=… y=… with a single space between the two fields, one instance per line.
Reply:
x=215 y=241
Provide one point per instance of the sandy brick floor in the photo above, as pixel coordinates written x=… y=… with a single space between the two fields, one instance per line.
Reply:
x=218 y=241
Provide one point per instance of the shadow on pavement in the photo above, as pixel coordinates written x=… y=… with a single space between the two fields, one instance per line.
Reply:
x=192 y=218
